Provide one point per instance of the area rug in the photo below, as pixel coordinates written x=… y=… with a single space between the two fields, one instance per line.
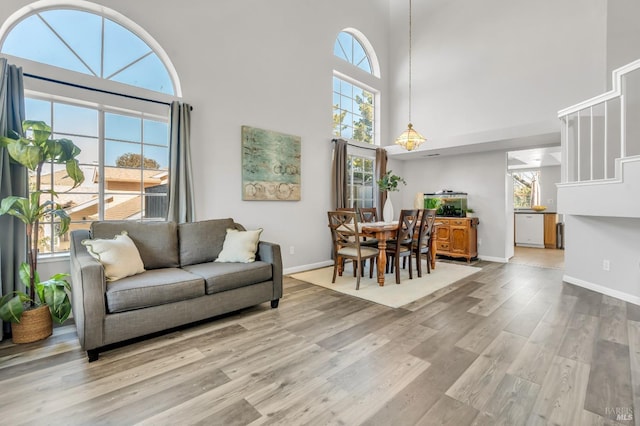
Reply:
x=391 y=294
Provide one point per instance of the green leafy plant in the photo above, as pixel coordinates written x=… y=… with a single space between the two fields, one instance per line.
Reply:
x=389 y=182
x=33 y=151
x=432 y=203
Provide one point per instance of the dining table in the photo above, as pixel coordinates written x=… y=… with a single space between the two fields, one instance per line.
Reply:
x=383 y=231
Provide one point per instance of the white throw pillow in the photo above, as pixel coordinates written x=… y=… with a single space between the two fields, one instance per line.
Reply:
x=119 y=256
x=240 y=246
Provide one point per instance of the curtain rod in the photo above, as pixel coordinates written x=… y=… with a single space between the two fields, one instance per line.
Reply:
x=355 y=145
x=93 y=89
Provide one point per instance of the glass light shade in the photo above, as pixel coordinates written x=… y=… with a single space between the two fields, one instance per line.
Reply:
x=410 y=139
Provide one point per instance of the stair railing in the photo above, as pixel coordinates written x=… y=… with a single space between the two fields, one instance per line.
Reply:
x=595 y=132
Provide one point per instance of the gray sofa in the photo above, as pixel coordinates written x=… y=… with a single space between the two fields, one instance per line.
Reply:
x=181 y=283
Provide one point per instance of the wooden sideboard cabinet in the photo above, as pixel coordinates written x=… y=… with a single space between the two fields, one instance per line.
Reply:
x=457 y=237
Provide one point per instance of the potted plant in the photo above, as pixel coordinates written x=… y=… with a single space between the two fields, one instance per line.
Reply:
x=33 y=151
x=470 y=213
x=389 y=183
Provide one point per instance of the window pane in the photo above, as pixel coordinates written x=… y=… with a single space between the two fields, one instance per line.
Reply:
x=121 y=47
x=37 y=110
x=123 y=154
x=75 y=120
x=88 y=146
x=156 y=157
x=148 y=73
x=122 y=127
x=156 y=132
x=80 y=30
x=32 y=39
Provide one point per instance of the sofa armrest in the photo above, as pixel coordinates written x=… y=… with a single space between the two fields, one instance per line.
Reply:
x=89 y=286
x=270 y=253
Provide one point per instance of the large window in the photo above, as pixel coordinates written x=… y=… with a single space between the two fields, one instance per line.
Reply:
x=129 y=183
x=82 y=61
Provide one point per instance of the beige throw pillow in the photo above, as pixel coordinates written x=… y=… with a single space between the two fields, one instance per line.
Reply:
x=119 y=256
x=240 y=246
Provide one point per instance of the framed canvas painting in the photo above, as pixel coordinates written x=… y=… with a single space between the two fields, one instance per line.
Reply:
x=270 y=165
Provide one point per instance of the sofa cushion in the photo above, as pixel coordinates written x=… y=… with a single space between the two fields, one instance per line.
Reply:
x=152 y=288
x=227 y=276
x=202 y=241
x=240 y=246
x=119 y=256
x=157 y=242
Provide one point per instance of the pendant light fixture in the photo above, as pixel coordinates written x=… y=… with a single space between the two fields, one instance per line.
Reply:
x=410 y=139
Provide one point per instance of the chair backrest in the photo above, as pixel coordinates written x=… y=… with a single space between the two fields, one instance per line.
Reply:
x=427 y=219
x=407 y=225
x=344 y=228
x=368 y=214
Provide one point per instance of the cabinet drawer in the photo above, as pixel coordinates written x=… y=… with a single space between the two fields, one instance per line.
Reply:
x=442 y=246
x=458 y=222
x=442 y=222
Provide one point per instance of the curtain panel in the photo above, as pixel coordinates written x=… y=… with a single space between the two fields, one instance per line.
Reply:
x=381 y=169
x=13 y=181
x=181 y=202
x=339 y=174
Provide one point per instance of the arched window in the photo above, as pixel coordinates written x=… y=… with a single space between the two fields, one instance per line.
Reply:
x=99 y=79
x=348 y=47
x=89 y=43
x=355 y=114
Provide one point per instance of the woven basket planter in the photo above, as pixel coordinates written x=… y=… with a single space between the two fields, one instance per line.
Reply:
x=35 y=324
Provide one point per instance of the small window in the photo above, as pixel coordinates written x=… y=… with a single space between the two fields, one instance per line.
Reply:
x=522 y=187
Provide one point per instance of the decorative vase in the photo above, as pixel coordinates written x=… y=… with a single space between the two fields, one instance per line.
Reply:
x=35 y=324
x=387 y=210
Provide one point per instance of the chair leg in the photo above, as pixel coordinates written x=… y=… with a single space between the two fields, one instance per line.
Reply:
x=357 y=265
x=397 y=266
x=410 y=268
x=335 y=272
x=428 y=262
x=371 y=264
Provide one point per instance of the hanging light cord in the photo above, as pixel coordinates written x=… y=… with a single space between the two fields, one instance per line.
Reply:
x=410 y=61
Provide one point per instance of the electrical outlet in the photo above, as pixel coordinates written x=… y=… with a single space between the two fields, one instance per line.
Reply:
x=292 y=250
x=606 y=265
x=479 y=241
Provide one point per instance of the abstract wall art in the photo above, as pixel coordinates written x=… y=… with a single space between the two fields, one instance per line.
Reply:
x=270 y=165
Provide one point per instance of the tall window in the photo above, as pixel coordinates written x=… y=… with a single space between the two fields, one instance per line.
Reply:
x=124 y=142
x=360 y=178
x=354 y=102
x=355 y=114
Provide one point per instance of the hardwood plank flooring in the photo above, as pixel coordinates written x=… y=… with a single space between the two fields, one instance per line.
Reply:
x=509 y=345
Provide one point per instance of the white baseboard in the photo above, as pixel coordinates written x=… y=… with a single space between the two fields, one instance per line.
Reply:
x=302 y=268
x=602 y=289
x=493 y=259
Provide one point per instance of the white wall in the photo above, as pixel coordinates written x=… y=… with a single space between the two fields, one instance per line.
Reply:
x=590 y=240
x=263 y=64
x=549 y=176
x=484 y=66
x=483 y=177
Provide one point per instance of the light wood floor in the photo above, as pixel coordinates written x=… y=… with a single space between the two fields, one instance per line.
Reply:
x=542 y=257
x=509 y=345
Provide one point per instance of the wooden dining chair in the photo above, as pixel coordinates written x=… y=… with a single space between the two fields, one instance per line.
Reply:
x=422 y=242
x=346 y=243
x=368 y=214
x=402 y=246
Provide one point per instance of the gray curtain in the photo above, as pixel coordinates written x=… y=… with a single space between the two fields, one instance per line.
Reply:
x=381 y=169
x=181 y=204
x=339 y=174
x=13 y=181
